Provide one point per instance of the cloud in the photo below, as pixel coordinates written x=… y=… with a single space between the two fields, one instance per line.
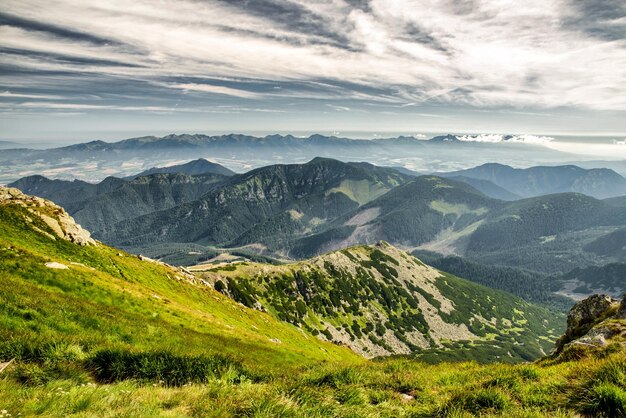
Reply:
x=208 y=88
x=395 y=54
x=495 y=138
x=9 y=95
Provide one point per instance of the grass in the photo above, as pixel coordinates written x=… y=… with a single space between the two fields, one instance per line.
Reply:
x=108 y=299
x=387 y=388
x=113 y=336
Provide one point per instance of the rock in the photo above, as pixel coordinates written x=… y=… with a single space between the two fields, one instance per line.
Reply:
x=621 y=313
x=595 y=338
x=55 y=265
x=406 y=397
x=587 y=311
x=591 y=324
x=62 y=224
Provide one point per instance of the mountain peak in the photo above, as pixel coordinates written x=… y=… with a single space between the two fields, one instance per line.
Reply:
x=445 y=138
x=194 y=167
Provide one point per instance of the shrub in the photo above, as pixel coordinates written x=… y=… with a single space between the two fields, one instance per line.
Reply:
x=27 y=350
x=327 y=334
x=528 y=373
x=175 y=370
x=34 y=374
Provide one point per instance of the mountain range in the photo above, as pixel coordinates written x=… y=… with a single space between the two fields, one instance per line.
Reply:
x=93 y=160
x=400 y=305
x=302 y=210
x=87 y=327
x=536 y=181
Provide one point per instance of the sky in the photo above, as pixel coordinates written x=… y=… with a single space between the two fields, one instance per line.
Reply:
x=110 y=69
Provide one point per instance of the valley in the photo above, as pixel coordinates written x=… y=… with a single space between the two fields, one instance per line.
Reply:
x=194 y=212
x=312 y=209
x=86 y=325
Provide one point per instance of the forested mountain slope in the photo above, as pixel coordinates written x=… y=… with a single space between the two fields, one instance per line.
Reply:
x=268 y=206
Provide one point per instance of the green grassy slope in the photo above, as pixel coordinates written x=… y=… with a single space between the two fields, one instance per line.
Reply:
x=113 y=335
x=110 y=299
x=591 y=386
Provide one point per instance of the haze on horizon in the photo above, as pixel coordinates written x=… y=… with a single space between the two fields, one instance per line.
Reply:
x=74 y=70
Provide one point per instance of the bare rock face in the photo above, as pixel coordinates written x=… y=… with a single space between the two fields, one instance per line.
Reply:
x=621 y=313
x=589 y=323
x=62 y=224
x=588 y=311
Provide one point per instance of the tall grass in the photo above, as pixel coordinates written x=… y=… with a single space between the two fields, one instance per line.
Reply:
x=165 y=367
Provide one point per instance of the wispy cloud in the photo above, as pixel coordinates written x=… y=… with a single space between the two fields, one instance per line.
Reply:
x=527 y=57
x=208 y=88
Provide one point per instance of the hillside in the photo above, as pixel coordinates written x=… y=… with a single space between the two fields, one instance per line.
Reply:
x=529 y=285
x=536 y=181
x=487 y=188
x=484 y=186
x=409 y=215
x=63 y=302
x=113 y=200
x=94 y=331
x=581 y=282
x=379 y=300
x=548 y=233
x=619 y=201
x=609 y=245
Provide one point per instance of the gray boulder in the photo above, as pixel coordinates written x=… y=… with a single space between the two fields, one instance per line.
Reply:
x=587 y=311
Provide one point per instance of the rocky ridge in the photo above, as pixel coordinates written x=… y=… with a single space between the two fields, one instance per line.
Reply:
x=54 y=216
x=379 y=300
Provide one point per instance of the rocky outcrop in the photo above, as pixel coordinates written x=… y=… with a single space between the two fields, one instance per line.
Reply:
x=621 y=313
x=593 y=324
x=587 y=311
x=62 y=224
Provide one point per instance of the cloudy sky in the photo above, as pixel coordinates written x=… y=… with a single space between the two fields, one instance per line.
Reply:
x=85 y=69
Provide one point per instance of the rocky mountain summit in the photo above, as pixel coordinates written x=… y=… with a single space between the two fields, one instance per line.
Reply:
x=594 y=324
x=62 y=224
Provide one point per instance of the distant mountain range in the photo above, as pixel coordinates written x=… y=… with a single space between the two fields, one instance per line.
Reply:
x=181 y=141
x=91 y=160
x=301 y=210
x=8 y=144
x=536 y=181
